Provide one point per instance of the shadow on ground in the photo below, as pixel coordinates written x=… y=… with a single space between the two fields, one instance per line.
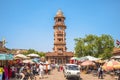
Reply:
x=74 y=79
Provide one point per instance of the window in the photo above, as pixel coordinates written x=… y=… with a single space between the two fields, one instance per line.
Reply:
x=59 y=20
x=59 y=28
x=59 y=39
x=59 y=34
x=60 y=50
x=71 y=67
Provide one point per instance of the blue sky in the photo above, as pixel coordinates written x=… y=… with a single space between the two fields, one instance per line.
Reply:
x=29 y=24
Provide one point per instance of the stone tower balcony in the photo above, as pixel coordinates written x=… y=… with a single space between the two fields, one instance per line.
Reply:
x=59 y=43
x=60 y=23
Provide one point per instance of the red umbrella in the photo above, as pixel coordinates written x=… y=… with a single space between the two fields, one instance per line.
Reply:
x=110 y=65
x=87 y=63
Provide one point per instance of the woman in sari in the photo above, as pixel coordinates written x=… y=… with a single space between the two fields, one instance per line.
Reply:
x=6 y=72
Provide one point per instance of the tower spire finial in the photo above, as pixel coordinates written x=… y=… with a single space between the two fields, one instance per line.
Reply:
x=59 y=13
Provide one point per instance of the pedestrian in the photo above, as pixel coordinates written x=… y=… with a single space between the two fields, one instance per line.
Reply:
x=41 y=70
x=37 y=69
x=61 y=67
x=100 y=72
x=58 y=67
x=21 y=72
x=49 y=68
x=1 y=72
x=6 y=72
x=9 y=72
x=13 y=71
x=34 y=69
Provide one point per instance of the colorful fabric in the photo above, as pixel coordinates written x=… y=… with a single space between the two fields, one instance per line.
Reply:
x=1 y=70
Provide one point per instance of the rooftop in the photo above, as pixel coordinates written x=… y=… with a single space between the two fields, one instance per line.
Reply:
x=59 y=54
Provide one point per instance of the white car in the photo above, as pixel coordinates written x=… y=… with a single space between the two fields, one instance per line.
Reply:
x=72 y=70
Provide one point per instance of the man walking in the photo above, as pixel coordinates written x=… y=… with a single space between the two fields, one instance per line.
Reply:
x=100 y=72
x=41 y=70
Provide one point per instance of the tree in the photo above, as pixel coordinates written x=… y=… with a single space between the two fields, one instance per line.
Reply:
x=79 y=47
x=106 y=46
x=94 y=45
x=41 y=54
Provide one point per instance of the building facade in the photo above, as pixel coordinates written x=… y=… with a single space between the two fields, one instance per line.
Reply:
x=116 y=53
x=59 y=54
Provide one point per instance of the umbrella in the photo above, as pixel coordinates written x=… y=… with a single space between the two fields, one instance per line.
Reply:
x=87 y=63
x=100 y=61
x=92 y=58
x=110 y=65
x=117 y=66
x=83 y=59
x=115 y=57
x=20 y=56
x=36 y=60
x=74 y=58
x=28 y=61
x=33 y=55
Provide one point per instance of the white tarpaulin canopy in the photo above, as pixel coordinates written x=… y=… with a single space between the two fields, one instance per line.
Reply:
x=83 y=59
x=74 y=58
x=33 y=55
x=91 y=58
x=20 y=56
x=115 y=57
x=28 y=61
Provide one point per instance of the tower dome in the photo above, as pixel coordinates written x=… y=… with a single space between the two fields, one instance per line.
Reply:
x=59 y=13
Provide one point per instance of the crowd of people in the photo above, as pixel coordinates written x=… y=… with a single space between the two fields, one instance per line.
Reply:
x=30 y=71
x=97 y=70
x=24 y=71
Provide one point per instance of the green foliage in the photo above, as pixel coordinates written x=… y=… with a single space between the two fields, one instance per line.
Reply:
x=41 y=54
x=79 y=50
x=94 y=46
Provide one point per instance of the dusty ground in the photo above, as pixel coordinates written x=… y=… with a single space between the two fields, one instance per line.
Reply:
x=55 y=75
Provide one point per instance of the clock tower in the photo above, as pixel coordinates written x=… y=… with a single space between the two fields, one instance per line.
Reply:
x=59 y=54
x=59 y=33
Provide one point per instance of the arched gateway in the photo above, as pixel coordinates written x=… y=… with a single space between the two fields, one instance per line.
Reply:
x=59 y=54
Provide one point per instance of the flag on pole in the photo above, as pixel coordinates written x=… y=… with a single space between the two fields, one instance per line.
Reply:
x=117 y=42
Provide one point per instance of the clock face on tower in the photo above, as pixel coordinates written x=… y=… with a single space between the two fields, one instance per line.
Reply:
x=59 y=28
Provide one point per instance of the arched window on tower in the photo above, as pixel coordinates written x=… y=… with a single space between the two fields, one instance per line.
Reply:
x=60 y=35
x=60 y=50
x=60 y=39
x=59 y=20
x=59 y=28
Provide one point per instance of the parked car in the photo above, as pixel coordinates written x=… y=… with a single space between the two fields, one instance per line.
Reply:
x=72 y=71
